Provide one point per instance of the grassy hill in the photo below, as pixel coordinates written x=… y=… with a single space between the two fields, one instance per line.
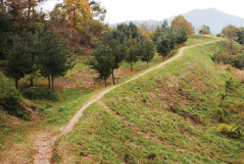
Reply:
x=167 y=116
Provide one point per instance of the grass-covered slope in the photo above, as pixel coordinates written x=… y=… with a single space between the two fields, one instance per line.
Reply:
x=167 y=116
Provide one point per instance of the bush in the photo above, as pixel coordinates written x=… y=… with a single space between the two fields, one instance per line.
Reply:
x=12 y=103
x=40 y=93
x=230 y=130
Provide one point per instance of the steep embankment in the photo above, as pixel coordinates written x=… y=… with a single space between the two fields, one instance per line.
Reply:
x=168 y=115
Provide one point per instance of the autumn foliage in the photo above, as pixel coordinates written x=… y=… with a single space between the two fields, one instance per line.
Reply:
x=180 y=21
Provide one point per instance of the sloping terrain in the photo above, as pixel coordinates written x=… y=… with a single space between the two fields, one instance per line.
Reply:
x=166 y=116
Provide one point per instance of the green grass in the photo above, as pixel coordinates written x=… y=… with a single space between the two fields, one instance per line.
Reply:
x=175 y=105
x=199 y=39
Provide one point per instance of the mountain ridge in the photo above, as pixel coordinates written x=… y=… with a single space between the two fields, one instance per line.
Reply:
x=212 y=17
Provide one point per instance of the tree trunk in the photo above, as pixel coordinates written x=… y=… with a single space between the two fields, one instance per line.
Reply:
x=52 y=83
x=131 y=66
x=105 y=83
x=163 y=58
x=113 y=76
x=31 y=80
x=49 y=82
x=29 y=11
x=3 y=7
x=17 y=84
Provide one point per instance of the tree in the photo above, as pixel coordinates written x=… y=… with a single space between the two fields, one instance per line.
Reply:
x=101 y=61
x=148 y=50
x=130 y=30
x=166 y=41
x=5 y=42
x=32 y=53
x=230 y=32
x=181 y=36
x=15 y=65
x=114 y=40
x=131 y=51
x=180 y=21
x=97 y=10
x=54 y=59
x=204 y=30
x=163 y=45
x=146 y=30
x=240 y=36
x=165 y=25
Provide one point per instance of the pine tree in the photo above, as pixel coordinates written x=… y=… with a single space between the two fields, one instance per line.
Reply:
x=54 y=59
x=101 y=61
x=17 y=61
x=132 y=52
x=148 y=50
x=114 y=40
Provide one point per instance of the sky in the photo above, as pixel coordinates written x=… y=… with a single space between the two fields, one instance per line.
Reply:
x=122 y=10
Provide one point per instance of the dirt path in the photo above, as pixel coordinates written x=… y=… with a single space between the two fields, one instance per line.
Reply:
x=45 y=142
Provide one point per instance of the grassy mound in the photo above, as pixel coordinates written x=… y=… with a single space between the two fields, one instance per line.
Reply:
x=167 y=116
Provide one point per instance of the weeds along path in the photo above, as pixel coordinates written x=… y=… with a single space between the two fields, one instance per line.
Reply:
x=45 y=142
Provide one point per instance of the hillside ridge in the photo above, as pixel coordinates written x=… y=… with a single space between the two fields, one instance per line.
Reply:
x=45 y=142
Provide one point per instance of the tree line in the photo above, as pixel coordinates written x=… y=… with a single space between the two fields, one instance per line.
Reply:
x=32 y=41
x=234 y=55
x=127 y=43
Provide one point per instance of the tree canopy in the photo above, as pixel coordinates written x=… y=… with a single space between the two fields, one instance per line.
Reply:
x=180 y=21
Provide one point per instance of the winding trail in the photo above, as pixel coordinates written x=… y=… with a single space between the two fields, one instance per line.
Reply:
x=45 y=142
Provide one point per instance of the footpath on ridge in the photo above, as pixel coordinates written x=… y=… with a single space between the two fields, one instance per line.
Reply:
x=45 y=142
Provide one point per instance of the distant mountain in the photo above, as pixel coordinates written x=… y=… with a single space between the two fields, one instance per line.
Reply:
x=215 y=19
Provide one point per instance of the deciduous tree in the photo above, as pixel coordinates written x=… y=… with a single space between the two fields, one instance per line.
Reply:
x=204 y=30
x=180 y=21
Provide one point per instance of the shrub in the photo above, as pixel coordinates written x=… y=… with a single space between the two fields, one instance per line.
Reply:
x=231 y=131
x=12 y=103
x=40 y=93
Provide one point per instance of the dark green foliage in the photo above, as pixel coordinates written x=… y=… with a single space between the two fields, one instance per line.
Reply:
x=5 y=27
x=147 y=50
x=181 y=36
x=5 y=24
x=101 y=61
x=17 y=61
x=166 y=38
x=132 y=51
x=54 y=59
x=164 y=45
x=240 y=36
x=40 y=93
x=130 y=30
x=114 y=40
x=12 y=103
